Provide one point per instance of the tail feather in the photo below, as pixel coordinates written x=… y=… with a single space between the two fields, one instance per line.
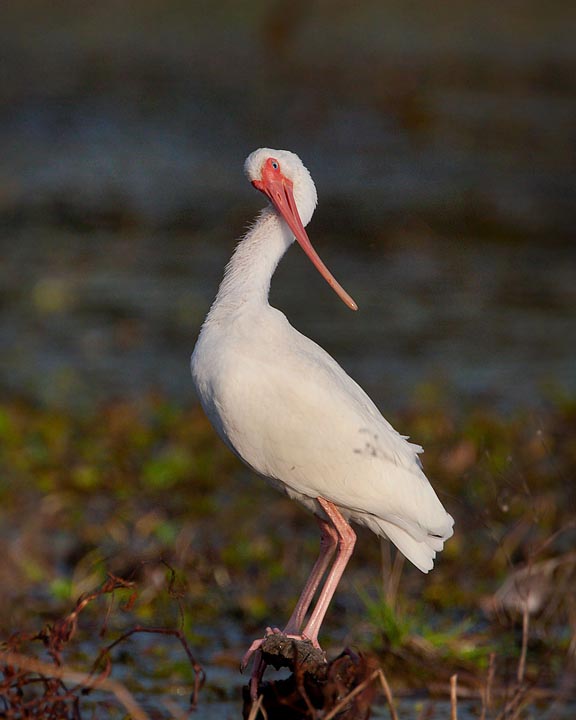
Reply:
x=420 y=550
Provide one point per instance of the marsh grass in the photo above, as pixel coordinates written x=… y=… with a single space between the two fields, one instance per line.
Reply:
x=123 y=487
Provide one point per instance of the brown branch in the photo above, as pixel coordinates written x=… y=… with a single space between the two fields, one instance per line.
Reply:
x=199 y=674
x=61 y=672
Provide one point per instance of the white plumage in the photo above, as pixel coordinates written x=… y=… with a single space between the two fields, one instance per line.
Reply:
x=287 y=409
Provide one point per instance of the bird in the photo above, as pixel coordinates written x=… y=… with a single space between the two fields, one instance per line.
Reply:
x=290 y=412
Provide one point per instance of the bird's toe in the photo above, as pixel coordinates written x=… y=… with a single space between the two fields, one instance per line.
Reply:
x=254 y=647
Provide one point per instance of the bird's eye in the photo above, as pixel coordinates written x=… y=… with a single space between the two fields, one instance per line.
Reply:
x=275 y=165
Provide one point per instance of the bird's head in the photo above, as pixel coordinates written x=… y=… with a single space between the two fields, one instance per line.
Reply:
x=279 y=173
x=282 y=177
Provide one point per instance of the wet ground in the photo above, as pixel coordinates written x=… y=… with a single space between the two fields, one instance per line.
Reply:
x=131 y=485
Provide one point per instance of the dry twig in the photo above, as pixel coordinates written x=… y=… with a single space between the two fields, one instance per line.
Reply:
x=378 y=673
x=86 y=680
x=49 y=697
x=258 y=707
x=454 y=697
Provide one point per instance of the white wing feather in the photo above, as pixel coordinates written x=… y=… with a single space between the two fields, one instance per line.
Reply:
x=291 y=412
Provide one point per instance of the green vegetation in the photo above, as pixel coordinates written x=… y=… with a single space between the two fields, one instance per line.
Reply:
x=130 y=486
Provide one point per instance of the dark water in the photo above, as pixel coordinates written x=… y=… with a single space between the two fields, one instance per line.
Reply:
x=164 y=680
x=443 y=148
x=86 y=316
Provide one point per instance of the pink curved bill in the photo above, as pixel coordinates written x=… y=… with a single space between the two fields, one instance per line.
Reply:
x=279 y=191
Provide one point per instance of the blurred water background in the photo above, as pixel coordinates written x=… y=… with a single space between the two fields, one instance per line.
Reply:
x=442 y=142
x=442 y=139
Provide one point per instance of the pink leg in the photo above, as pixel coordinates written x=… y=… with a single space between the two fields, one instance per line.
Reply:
x=346 y=542
x=335 y=532
x=328 y=543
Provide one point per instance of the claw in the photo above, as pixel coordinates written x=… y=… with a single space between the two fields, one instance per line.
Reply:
x=255 y=647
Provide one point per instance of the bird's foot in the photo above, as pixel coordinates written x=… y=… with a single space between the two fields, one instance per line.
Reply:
x=257 y=670
x=256 y=646
x=258 y=649
x=259 y=667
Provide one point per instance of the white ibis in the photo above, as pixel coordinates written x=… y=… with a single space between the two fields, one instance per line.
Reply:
x=292 y=414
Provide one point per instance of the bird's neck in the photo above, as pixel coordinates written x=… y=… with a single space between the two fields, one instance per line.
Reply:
x=247 y=277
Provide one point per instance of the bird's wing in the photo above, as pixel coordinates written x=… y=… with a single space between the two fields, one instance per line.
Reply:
x=300 y=419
